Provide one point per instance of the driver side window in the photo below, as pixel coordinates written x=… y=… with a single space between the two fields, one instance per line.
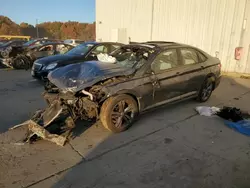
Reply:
x=101 y=49
x=165 y=60
x=46 y=48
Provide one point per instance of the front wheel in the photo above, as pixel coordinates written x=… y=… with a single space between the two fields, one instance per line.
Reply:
x=206 y=90
x=118 y=113
x=21 y=62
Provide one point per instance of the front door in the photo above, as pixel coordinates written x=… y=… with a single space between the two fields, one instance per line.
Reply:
x=92 y=55
x=168 y=81
x=45 y=51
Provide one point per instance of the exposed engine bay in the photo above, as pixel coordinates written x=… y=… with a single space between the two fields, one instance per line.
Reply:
x=17 y=57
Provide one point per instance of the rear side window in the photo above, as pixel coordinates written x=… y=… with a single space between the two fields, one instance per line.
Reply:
x=189 y=56
x=101 y=49
x=114 y=47
x=202 y=57
x=46 y=48
x=62 y=49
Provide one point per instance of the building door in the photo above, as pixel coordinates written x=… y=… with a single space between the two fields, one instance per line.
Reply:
x=119 y=35
x=244 y=62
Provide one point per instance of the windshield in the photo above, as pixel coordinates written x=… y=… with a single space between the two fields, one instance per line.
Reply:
x=80 y=49
x=131 y=57
x=6 y=44
x=68 y=41
x=29 y=43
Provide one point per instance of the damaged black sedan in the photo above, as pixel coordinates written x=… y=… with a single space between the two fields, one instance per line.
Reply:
x=22 y=57
x=143 y=76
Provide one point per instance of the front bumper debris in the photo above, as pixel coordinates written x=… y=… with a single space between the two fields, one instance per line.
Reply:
x=54 y=125
x=57 y=121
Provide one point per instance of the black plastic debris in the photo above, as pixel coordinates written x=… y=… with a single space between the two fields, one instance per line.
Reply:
x=232 y=114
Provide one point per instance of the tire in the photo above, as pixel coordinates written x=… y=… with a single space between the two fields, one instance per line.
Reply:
x=21 y=62
x=118 y=113
x=206 y=90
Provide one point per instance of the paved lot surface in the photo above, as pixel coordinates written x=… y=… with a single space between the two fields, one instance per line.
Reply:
x=168 y=147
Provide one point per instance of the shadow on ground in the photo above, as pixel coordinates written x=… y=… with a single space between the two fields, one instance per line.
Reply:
x=20 y=97
x=171 y=146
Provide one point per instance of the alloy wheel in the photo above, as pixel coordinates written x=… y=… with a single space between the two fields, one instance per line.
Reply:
x=207 y=90
x=122 y=114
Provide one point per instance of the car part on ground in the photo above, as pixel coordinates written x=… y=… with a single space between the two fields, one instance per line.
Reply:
x=207 y=111
x=233 y=117
x=117 y=92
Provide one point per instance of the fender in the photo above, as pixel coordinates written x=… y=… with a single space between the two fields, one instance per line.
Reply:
x=132 y=93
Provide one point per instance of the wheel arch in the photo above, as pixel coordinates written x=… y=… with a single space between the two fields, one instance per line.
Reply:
x=212 y=77
x=132 y=94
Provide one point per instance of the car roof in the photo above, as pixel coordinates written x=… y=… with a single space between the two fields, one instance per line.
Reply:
x=166 y=44
x=47 y=43
x=52 y=43
x=159 y=44
x=95 y=43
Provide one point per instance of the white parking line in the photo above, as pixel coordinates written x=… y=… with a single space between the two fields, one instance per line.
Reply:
x=33 y=80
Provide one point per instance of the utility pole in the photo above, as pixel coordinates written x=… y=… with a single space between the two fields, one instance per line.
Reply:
x=37 y=32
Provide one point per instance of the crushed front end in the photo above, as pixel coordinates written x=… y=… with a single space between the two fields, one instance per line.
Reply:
x=56 y=122
x=73 y=92
x=16 y=57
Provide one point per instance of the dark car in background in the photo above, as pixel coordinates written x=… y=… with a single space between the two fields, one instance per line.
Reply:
x=48 y=49
x=143 y=76
x=20 y=57
x=11 y=43
x=84 y=52
x=73 y=42
x=7 y=46
x=39 y=42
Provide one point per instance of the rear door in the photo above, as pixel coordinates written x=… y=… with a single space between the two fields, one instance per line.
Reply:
x=193 y=67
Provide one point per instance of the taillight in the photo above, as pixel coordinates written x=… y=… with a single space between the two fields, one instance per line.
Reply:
x=219 y=65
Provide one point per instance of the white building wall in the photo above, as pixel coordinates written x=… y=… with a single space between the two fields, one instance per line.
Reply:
x=133 y=15
x=212 y=25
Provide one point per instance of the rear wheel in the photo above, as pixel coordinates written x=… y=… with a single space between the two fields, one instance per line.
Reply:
x=118 y=113
x=206 y=90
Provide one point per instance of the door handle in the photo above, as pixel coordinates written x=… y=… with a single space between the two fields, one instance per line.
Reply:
x=177 y=73
x=202 y=67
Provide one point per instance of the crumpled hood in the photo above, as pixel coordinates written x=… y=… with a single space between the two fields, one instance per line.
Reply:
x=75 y=77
